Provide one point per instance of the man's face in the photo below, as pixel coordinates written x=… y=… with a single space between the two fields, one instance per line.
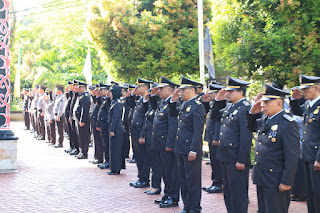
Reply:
x=212 y=95
x=75 y=88
x=164 y=92
x=142 y=89
x=103 y=92
x=232 y=95
x=199 y=90
x=186 y=93
x=271 y=107
x=71 y=87
x=124 y=93
x=82 y=89
x=310 y=93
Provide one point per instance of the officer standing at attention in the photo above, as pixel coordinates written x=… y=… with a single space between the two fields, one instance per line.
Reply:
x=72 y=119
x=58 y=110
x=116 y=131
x=67 y=113
x=163 y=140
x=81 y=112
x=277 y=150
x=188 y=144
x=212 y=137
x=49 y=117
x=41 y=110
x=234 y=148
x=102 y=122
x=310 y=90
x=136 y=128
x=25 y=109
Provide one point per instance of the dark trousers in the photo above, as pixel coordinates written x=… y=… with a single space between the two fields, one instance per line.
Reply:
x=98 y=146
x=169 y=171
x=299 y=188
x=235 y=184
x=270 y=201
x=216 y=174
x=189 y=174
x=68 y=126
x=312 y=188
x=48 y=131
x=154 y=165
x=26 y=119
x=52 y=132
x=83 y=137
x=32 y=119
x=126 y=143
x=142 y=161
x=60 y=127
x=116 y=153
x=41 y=126
x=74 y=135
x=105 y=138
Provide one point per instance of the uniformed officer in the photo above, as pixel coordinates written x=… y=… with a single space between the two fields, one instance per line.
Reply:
x=132 y=98
x=234 y=148
x=81 y=113
x=41 y=111
x=188 y=143
x=146 y=138
x=102 y=121
x=98 y=143
x=212 y=137
x=72 y=119
x=125 y=119
x=25 y=110
x=59 y=117
x=67 y=113
x=163 y=139
x=136 y=128
x=277 y=150
x=49 y=117
x=310 y=90
x=116 y=130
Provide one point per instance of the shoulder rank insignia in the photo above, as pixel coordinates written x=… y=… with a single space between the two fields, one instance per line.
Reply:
x=165 y=106
x=235 y=112
x=246 y=103
x=188 y=109
x=198 y=102
x=119 y=101
x=288 y=117
x=151 y=113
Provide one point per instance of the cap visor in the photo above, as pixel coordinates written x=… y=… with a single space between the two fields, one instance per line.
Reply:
x=161 y=86
x=304 y=87
x=267 y=99
x=229 y=88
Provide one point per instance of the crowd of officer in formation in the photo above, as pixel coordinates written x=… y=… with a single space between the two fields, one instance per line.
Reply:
x=165 y=124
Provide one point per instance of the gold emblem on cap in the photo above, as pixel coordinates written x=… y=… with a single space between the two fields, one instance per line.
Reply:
x=235 y=112
x=300 y=79
x=188 y=109
x=273 y=140
x=274 y=127
x=316 y=111
x=264 y=89
x=227 y=81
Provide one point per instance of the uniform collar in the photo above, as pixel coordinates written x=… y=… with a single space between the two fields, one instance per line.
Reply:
x=311 y=103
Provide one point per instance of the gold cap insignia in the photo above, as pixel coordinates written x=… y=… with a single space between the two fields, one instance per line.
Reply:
x=264 y=90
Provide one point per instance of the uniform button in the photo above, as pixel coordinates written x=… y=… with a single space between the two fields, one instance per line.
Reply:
x=271 y=170
x=187 y=140
x=177 y=136
x=137 y=123
x=305 y=132
x=230 y=144
x=220 y=133
x=178 y=128
x=316 y=147
x=153 y=126
x=306 y=124
x=255 y=163
x=224 y=125
x=260 y=143
x=257 y=153
x=263 y=133
x=180 y=121
x=162 y=136
x=211 y=132
x=303 y=140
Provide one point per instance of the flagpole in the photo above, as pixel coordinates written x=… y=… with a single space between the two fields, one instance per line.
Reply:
x=201 y=40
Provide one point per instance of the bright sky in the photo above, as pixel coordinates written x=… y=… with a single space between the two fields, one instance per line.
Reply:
x=24 y=4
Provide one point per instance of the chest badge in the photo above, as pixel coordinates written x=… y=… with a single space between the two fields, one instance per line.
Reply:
x=235 y=112
x=151 y=113
x=273 y=140
x=188 y=109
x=316 y=111
x=274 y=127
x=165 y=106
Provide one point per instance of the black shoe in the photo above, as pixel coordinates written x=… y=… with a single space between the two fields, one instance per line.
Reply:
x=58 y=146
x=158 y=201
x=169 y=202
x=297 y=198
x=68 y=150
x=82 y=156
x=132 y=161
x=206 y=187
x=90 y=144
x=114 y=173
x=155 y=192
x=74 y=152
x=141 y=185
x=182 y=211
x=215 y=189
x=105 y=165
x=208 y=163
x=134 y=183
x=40 y=138
x=96 y=161
x=147 y=191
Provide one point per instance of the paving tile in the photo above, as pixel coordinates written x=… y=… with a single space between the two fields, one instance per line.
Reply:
x=49 y=180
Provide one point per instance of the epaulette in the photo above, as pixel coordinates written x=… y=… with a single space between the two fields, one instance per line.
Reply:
x=198 y=102
x=246 y=103
x=287 y=111
x=288 y=117
x=119 y=101
x=199 y=98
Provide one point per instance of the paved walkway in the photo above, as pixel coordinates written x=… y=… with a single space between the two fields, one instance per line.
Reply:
x=49 y=180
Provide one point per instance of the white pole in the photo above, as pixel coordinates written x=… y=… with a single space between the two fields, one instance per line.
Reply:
x=201 y=40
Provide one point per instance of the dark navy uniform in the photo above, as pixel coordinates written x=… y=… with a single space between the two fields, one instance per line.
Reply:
x=191 y=119
x=311 y=143
x=82 y=115
x=116 y=126
x=276 y=154
x=25 y=111
x=234 y=146
x=72 y=118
